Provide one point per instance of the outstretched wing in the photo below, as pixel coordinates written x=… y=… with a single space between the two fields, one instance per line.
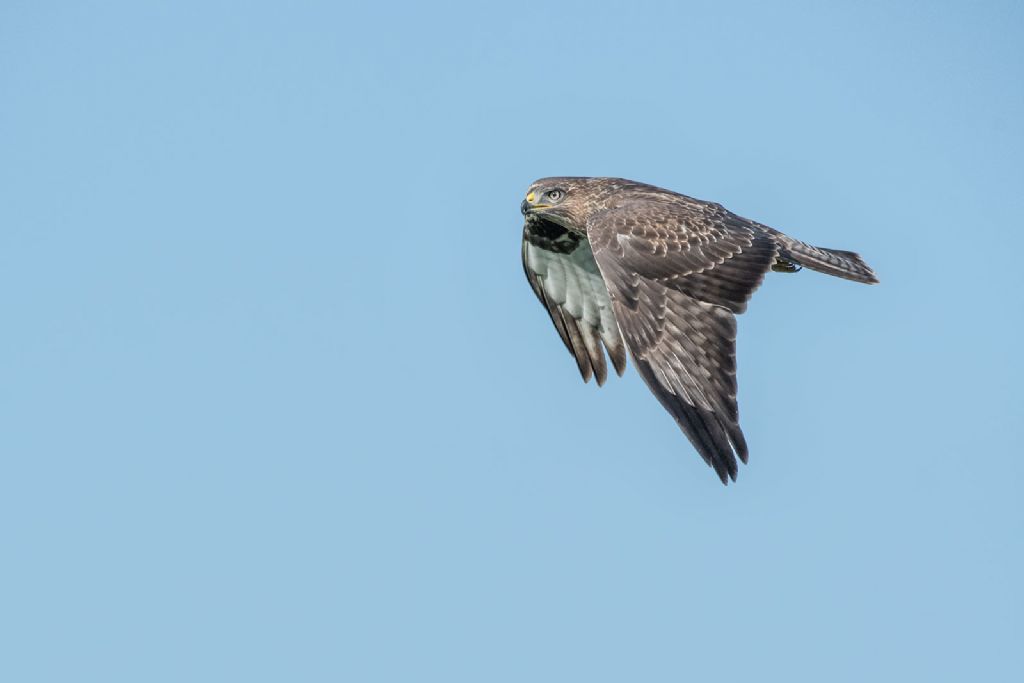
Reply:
x=676 y=273
x=561 y=270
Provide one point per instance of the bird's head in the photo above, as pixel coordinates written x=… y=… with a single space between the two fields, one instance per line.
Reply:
x=565 y=201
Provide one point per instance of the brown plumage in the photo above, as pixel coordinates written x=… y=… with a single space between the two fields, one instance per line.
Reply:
x=620 y=264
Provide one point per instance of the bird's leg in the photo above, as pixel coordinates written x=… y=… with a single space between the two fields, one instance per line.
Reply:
x=782 y=265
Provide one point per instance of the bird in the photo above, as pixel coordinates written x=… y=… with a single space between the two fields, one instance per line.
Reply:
x=623 y=266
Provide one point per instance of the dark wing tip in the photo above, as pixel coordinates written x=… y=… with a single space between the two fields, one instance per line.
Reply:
x=618 y=355
x=711 y=439
x=577 y=346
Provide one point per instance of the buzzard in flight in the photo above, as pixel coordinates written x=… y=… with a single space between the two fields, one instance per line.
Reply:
x=632 y=266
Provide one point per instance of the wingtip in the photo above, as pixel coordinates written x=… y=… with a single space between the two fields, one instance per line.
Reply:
x=725 y=476
x=617 y=352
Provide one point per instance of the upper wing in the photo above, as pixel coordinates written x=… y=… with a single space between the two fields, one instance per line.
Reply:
x=676 y=273
x=565 y=278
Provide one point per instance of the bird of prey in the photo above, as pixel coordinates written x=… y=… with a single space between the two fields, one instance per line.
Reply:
x=635 y=267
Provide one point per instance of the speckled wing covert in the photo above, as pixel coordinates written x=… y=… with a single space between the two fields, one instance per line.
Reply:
x=676 y=274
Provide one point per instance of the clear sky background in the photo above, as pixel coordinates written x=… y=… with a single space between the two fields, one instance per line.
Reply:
x=276 y=403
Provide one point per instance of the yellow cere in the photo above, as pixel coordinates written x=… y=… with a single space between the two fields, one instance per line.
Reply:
x=529 y=197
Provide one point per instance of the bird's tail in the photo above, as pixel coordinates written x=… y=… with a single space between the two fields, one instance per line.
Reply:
x=845 y=264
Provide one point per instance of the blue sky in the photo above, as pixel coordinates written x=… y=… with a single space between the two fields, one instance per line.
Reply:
x=277 y=403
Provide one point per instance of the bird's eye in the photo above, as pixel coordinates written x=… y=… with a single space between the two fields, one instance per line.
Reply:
x=555 y=195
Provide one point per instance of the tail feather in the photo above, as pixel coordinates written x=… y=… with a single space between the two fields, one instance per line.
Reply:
x=845 y=264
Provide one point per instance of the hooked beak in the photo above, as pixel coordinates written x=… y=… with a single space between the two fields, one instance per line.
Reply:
x=529 y=204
